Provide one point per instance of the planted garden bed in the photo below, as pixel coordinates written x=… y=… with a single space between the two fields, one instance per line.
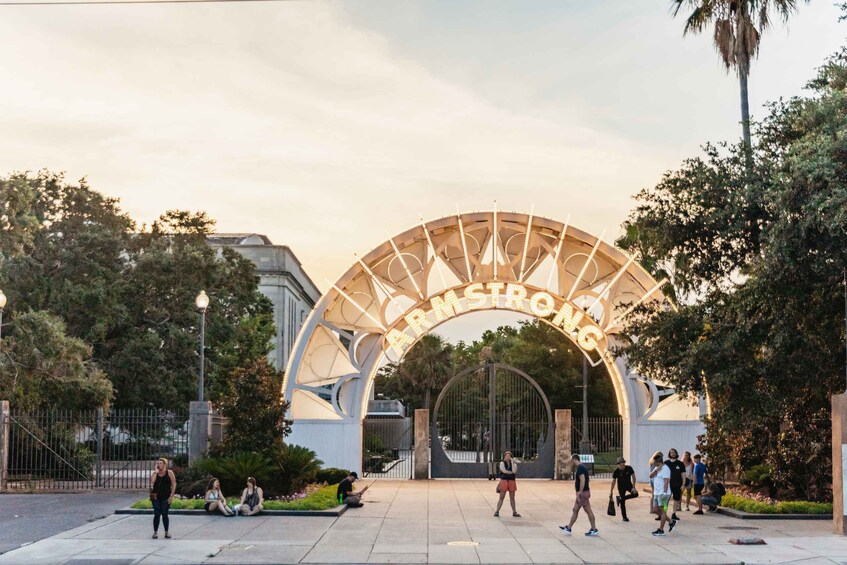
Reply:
x=748 y=508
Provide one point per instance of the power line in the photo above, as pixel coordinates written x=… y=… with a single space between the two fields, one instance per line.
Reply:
x=113 y=2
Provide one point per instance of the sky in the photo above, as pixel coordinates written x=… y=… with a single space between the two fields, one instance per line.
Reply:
x=331 y=125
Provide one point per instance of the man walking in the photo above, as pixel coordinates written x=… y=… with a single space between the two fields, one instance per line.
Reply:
x=583 y=494
x=624 y=476
x=700 y=472
x=662 y=495
x=677 y=468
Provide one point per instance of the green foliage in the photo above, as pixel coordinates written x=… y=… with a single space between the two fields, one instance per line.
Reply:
x=756 y=247
x=255 y=409
x=41 y=367
x=331 y=475
x=372 y=443
x=191 y=481
x=298 y=466
x=232 y=471
x=322 y=499
x=427 y=366
x=745 y=504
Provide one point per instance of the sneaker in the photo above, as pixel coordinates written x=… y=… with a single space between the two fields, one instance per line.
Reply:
x=496 y=513
x=674 y=516
x=618 y=499
x=516 y=515
x=626 y=519
x=713 y=508
x=167 y=535
x=155 y=535
x=566 y=529
x=592 y=532
x=659 y=532
x=698 y=513
x=672 y=526
x=658 y=518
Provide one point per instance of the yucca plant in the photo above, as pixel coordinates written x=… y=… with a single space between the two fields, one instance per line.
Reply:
x=297 y=467
x=233 y=471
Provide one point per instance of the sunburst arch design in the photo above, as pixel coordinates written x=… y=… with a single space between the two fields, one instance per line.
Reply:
x=428 y=274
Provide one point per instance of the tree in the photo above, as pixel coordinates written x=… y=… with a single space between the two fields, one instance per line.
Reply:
x=427 y=365
x=738 y=25
x=761 y=258
x=42 y=367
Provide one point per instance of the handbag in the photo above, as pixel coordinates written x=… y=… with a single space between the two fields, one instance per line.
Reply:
x=154 y=495
x=611 y=510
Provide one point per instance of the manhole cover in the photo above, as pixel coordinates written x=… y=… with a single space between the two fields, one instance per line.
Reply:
x=463 y=543
x=737 y=528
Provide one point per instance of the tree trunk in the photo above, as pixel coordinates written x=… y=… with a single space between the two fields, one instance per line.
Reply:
x=426 y=399
x=743 y=72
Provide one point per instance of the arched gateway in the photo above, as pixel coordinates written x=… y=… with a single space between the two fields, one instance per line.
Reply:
x=457 y=265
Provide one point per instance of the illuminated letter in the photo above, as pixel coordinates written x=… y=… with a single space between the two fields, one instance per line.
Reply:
x=399 y=341
x=535 y=306
x=515 y=295
x=446 y=307
x=418 y=321
x=588 y=336
x=475 y=296
x=495 y=289
x=567 y=319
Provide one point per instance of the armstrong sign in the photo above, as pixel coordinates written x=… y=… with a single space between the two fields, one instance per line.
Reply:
x=517 y=297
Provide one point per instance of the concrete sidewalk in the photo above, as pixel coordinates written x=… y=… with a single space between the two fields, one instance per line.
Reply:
x=420 y=522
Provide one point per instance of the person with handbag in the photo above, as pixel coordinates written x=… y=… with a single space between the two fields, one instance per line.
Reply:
x=508 y=474
x=162 y=490
x=624 y=477
x=252 y=498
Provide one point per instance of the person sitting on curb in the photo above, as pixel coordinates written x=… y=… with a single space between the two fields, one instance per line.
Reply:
x=345 y=491
x=713 y=499
x=252 y=498
x=215 y=499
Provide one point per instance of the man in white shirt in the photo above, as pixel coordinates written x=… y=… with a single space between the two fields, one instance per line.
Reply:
x=661 y=495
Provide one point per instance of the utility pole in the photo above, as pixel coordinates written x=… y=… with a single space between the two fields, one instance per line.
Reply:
x=585 y=443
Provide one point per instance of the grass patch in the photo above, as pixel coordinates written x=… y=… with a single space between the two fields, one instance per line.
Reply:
x=737 y=502
x=321 y=499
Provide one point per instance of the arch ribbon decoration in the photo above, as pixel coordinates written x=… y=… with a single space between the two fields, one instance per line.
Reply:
x=454 y=266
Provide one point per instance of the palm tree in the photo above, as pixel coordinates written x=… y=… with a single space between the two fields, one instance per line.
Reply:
x=738 y=25
x=428 y=364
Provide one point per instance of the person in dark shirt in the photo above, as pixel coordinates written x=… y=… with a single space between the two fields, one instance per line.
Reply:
x=583 y=494
x=345 y=491
x=677 y=474
x=624 y=476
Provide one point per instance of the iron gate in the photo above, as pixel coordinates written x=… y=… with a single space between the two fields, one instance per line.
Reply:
x=388 y=448
x=606 y=438
x=484 y=411
x=83 y=449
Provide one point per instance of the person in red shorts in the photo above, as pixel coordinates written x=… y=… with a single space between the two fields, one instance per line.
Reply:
x=508 y=473
x=583 y=495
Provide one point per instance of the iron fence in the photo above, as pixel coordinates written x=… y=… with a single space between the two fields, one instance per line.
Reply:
x=84 y=449
x=605 y=435
x=388 y=448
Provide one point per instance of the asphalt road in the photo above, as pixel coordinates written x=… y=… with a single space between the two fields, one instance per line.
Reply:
x=26 y=518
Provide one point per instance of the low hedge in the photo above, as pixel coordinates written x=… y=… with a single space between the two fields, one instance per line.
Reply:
x=737 y=502
x=322 y=499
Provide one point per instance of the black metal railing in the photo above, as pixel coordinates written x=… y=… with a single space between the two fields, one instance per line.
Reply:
x=605 y=435
x=388 y=448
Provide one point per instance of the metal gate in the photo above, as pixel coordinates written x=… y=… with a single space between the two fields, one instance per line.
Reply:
x=388 y=448
x=484 y=411
x=83 y=449
x=605 y=435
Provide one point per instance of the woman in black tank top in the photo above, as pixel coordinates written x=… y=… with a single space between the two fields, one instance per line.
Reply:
x=162 y=488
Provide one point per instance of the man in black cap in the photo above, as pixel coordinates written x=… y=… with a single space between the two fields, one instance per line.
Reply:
x=345 y=491
x=624 y=476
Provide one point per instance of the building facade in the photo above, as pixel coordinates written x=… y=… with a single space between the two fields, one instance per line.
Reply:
x=282 y=279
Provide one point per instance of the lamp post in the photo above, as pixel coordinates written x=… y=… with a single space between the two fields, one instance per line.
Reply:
x=202 y=302
x=585 y=444
x=2 y=305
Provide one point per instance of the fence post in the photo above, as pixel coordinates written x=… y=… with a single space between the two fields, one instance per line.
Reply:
x=98 y=476
x=422 y=444
x=564 y=432
x=839 y=463
x=5 y=415
x=199 y=430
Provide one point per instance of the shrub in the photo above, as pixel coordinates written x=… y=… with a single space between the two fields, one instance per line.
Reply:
x=322 y=499
x=331 y=475
x=298 y=467
x=745 y=504
x=191 y=481
x=233 y=471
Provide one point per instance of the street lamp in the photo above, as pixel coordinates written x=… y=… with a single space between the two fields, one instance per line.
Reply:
x=2 y=305
x=202 y=302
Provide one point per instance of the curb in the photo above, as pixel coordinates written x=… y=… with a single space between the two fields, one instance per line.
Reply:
x=741 y=515
x=337 y=511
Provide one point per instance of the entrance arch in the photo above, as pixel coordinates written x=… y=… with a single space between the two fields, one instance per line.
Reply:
x=457 y=265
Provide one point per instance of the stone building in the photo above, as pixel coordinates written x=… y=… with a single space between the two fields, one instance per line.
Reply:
x=282 y=279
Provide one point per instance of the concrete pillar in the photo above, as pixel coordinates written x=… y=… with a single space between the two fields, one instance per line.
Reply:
x=200 y=429
x=5 y=415
x=839 y=463
x=564 y=431
x=421 y=444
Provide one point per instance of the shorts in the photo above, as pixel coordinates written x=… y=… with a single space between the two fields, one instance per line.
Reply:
x=698 y=489
x=676 y=492
x=661 y=501
x=208 y=506
x=508 y=485
x=582 y=499
x=688 y=483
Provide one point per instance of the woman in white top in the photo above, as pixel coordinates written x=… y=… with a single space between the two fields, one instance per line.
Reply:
x=215 y=499
x=508 y=473
x=689 y=478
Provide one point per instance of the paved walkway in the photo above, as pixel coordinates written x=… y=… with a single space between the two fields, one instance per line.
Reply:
x=415 y=522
